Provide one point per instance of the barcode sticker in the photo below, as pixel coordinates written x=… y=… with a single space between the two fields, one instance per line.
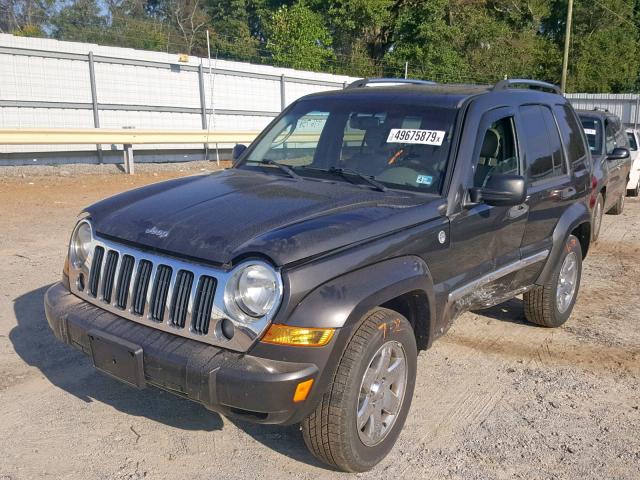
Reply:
x=412 y=135
x=590 y=131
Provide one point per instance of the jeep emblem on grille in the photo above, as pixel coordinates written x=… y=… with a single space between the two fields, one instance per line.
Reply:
x=157 y=232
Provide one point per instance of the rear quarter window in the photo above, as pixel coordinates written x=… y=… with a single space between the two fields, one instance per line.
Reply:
x=571 y=132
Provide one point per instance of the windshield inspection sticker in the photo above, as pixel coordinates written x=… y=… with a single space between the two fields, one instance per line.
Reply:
x=412 y=135
x=590 y=131
x=424 y=179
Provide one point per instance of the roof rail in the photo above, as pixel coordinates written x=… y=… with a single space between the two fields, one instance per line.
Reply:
x=363 y=82
x=533 y=84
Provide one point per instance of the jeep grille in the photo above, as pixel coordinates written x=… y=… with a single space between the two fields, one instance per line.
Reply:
x=181 y=297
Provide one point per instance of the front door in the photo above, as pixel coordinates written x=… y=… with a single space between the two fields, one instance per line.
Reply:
x=485 y=238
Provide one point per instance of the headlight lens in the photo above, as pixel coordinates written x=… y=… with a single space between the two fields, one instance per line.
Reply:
x=255 y=289
x=81 y=244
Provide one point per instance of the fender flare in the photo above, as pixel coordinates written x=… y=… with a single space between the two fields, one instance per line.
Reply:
x=343 y=301
x=574 y=216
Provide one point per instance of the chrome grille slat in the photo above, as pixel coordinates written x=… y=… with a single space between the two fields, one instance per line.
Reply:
x=152 y=279
x=132 y=282
x=96 y=268
x=109 y=274
x=203 y=309
x=160 y=293
x=124 y=280
x=204 y=296
x=180 y=298
x=140 y=286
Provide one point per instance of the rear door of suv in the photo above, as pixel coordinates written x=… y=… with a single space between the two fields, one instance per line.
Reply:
x=550 y=184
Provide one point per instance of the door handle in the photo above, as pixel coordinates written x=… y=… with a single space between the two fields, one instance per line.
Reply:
x=518 y=210
x=568 y=193
x=563 y=193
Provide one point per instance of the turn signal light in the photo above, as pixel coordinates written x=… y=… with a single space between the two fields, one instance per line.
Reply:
x=298 y=336
x=302 y=391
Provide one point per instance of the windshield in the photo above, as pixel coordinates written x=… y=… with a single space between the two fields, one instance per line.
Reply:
x=400 y=145
x=633 y=145
x=592 y=127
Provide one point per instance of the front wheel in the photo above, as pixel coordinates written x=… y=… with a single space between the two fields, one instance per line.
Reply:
x=550 y=305
x=634 y=192
x=358 y=420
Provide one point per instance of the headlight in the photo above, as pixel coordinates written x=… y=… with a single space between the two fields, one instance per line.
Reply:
x=254 y=289
x=80 y=247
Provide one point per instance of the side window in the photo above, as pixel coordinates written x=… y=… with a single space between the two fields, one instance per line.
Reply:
x=498 y=152
x=542 y=143
x=610 y=136
x=621 y=136
x=571 y=133
x=633 y=145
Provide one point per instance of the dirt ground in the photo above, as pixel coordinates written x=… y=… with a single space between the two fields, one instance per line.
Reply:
x=496 y=398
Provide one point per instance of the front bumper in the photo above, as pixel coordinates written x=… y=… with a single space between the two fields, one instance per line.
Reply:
x=235 y=384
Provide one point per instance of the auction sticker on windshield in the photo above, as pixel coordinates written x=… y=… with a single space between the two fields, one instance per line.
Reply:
x=412 y=135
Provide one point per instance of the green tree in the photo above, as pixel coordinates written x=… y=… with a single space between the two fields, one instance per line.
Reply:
x=298 y=38
x=80 y=21
x=426 y=38
x=604 y=44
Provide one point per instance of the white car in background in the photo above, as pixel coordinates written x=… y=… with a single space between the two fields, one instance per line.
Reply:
x=633 y=187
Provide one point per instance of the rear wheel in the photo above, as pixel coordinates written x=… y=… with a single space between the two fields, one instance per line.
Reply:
x=550 y=305
x=358 y=420
x=597 y=218
x=619 y=206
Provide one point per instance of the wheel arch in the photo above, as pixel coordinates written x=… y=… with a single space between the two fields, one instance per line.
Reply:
x=576 y=220
x=403 y=284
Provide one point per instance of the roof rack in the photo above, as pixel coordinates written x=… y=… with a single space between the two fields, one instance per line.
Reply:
x=533 y=84
x=363 y=82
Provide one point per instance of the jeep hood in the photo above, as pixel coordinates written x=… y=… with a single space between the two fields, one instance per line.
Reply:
x=225 y=215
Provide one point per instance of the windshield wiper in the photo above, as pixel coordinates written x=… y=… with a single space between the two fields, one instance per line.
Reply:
x=349 y=171
x=285 y=168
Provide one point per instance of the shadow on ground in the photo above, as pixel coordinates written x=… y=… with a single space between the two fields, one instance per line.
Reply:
x=73 y=372
x=510 y=311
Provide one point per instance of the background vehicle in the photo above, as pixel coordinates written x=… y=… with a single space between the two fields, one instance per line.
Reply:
x=611 y=164
x=633 y=187
x=346 y=238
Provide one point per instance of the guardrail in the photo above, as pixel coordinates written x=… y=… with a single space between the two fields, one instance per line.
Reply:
x=125 y=137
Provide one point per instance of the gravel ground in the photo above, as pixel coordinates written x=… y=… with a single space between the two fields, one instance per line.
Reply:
x=496 y=398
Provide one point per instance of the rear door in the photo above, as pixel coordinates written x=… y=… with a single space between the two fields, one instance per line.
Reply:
x=550 y=187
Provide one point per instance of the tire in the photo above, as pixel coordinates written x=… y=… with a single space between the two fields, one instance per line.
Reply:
x=597 y=218
x=541 y=304
x=619 y=206
x=634 y=192
x=331 y=432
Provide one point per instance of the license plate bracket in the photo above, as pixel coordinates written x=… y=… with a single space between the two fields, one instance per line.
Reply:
x=118 y=358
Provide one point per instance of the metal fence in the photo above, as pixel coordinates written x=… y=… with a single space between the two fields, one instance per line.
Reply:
x=624 y=105
x=46 y=83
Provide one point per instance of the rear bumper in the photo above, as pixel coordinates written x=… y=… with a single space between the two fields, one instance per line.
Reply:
x=255 y=388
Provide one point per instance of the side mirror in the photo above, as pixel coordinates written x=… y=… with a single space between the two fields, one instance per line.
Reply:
x=619 y=153
x=500 y=190
x=238 y=150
